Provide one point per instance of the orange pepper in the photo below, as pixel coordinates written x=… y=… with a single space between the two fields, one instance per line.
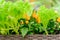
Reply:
x=34 y=15
x=38 y=20
x=26 y=22
x=58 y=20
x=26 y=17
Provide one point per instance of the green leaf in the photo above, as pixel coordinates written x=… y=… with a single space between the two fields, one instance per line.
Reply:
x=24 y=31
x=40 y=29
x=51 y=31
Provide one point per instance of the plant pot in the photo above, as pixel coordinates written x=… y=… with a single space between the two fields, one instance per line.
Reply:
x=30 y=37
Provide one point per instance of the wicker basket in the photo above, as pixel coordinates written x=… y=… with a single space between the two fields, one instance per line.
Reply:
x=30 y=37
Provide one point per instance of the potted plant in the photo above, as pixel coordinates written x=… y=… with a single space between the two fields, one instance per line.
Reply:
x=18 y=21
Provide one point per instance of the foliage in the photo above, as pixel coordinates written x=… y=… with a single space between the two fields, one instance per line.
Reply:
x=20 y=18
x=10 y=13
x=46 y=15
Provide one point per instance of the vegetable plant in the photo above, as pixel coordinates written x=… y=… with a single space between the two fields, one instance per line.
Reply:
x=10 y=13
x=20 y=18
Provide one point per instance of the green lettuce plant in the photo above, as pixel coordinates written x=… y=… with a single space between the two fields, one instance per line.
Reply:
x=10 y=12
x=46 y=15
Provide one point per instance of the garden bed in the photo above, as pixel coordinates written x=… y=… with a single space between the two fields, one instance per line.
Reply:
x=29 y=24
x=31 y=37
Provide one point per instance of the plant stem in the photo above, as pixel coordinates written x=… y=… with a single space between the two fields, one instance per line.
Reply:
x=46 y=32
